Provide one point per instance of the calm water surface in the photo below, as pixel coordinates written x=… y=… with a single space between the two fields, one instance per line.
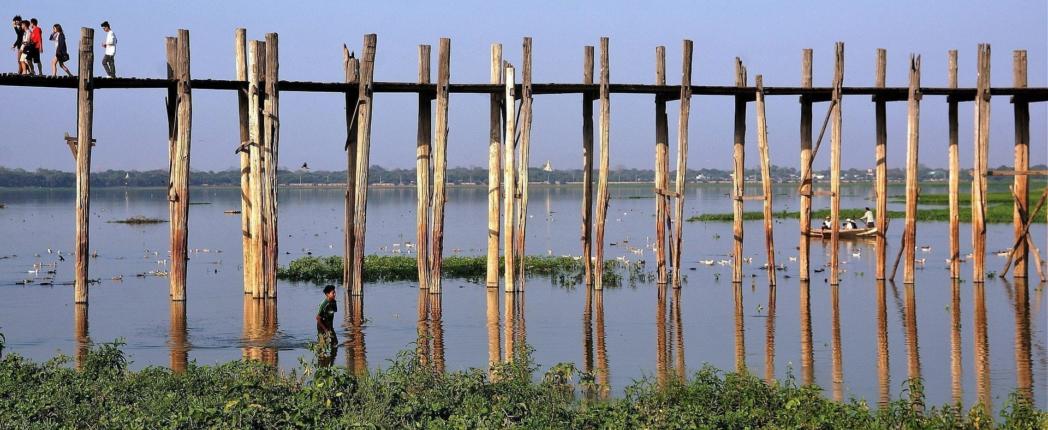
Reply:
x=862 y=339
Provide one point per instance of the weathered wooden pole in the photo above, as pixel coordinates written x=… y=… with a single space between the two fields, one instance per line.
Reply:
x=526 y=100
x=352 y=71
x=603 y=371
x=682 y=158
x=881 y=178
x=509 y=180
x=365 y=91
x=835 y=166
x=661 y=186
x=955 y=173
x=440 y=165
x=256 y=66
x=85 y=109
x=913 y=118
x=178 y=185
x=423 y=173
x=605 y=160
x=240 y=51
x=494 y=170
x=738 y=178
x=1020 y=211
x=981 y=143
x=740 y=329
x=587 y=167
x=271 y=154
x=762 y=148
x=494 y=336
x=806 y=155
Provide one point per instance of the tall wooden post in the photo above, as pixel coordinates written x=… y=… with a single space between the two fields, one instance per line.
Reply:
x=982 y=144
x=271 y=154
x=367 y=75
x=423 y=149
x=494 y=170
x=526 y=100
x=805 y=191
x=881 y=178
x=912 y=140
x=256 y=66
x=682 y=158
x=1020 y=213
x=587 y=167
x=605 y=159
x=440 y=165
x=352 y=71
x=955 y=174
x=762 y=148
x=178 y=186
x=240 y=51
x=738 y=178
x=835 y=166
x=661 y=168
x=85 y=109
x=509 y=179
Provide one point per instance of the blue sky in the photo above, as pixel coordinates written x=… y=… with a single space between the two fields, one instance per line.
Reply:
x=768 y=36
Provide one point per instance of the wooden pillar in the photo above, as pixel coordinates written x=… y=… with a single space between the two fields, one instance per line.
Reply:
x=178 y=185
x=913 y=117
x=423 y=172
x=762 y=148
x=954 y=175
x=271 y=156
x=740 y=329
x=661 y=185
x=367 y=74
x=835 y=166
x=738 y=178
x=494 y=336
x=981 y=143
x=682 y=158
x=805 y=191
x=587 y=167
x=1020 y=212
x=352 y=71
x=240 y=51
x=605 y=160
x=440 y=165
x=525 y=158
x=509 y=179
x=256 y=66
x=881 y=178
x=85 y=103
x=494 y=169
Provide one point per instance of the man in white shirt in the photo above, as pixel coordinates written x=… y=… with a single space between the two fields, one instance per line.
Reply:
x=868 y=217
x=110 y=49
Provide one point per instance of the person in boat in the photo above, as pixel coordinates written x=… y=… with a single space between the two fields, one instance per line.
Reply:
x=868 y=218
x=849 y=224
x=826 y=224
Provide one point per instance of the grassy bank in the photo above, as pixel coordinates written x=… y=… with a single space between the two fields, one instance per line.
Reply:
x=407 y=394
x=994 y=214
x=964 y=197
x=392 y=268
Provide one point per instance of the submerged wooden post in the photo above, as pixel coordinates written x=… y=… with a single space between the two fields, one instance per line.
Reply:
x=835 y=166
x=982 y=144
x=587 y=167
x=661 y=169
x=256 y=65
x=85 y=103
x=440 y=165
x=955 y=173
x=682 y=158
x=494 y=169
x=423 y=172
x=605 y=160
x=738 y=178
x=881 y=178
x=352 y=71
x=271 y=154
x=762 y=148
x=1020 y=213
x=805 y=191
x=367 y=75
x=178 y=186
x=240 y=51
x=509 y=179
x=526 y=100
x=912 y=140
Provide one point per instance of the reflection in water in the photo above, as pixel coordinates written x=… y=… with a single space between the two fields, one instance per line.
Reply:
x=835 y=360
x=260 y=325
x=516 y=331
x=661 y=345
x=595 y=309
x=494 y=340
x=177 y=337
x=356 y=352
x=1023 y=364
x=669 y=355
x=982 y=346
x=769 y=335
x=83 y=340
x=740 y=331
x=883 y=362
x=678 y=330
x=422 y=327
x=587 y=333
x=807 y=357
x=436 y=331
x=913 y=350
x=955 y=341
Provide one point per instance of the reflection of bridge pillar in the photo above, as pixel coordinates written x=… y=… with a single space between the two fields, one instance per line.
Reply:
x=913 y=350
x=661 y=350
x=603 y=374
x=260 y=326
x=769 y=348
x=177 y=335
x=494 y=339
x=883 y=356
x=83 y=340
x=1023 y=364
x=740 y=330
x=678 y=333
x=955 y=341
x=356 y=351
x=836 y=361
x=982 y=346
x=807 y=356
x=436 y=334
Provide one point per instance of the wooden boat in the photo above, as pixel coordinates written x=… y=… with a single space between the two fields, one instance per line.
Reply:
x=231 y=211
x=855 y=233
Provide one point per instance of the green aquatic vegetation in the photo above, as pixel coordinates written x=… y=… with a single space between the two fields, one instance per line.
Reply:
x=999 y=213
x=138 y=219
x=964 y=197
x=407 y=393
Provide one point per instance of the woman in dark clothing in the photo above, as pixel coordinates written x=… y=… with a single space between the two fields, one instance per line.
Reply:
x=17 y=23
x=61 y=52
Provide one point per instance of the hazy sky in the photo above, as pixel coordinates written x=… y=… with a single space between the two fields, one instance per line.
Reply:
x=131 y=128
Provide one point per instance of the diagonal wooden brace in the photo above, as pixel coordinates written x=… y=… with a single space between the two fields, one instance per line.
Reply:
x=1026 y=229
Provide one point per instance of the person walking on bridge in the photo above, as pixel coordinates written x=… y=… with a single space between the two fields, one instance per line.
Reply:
x=61 y=51
x=109 y=44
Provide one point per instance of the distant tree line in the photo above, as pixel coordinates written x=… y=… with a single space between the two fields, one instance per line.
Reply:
x=48 y=178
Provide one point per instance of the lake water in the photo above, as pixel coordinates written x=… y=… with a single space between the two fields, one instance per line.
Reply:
x=862 y=339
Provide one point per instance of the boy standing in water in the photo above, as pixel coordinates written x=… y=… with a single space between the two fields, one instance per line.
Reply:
x=326 y=337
